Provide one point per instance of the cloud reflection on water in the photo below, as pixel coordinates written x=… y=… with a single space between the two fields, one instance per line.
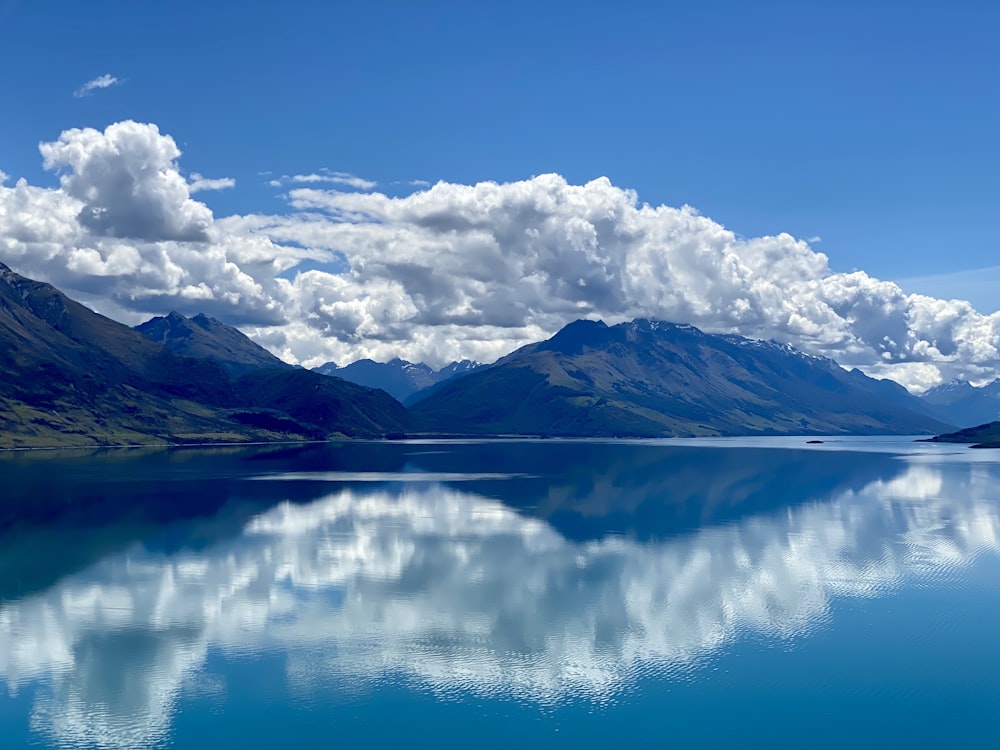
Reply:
x=454 y=591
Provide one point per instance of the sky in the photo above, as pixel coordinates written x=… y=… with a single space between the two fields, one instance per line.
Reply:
x=447 y=180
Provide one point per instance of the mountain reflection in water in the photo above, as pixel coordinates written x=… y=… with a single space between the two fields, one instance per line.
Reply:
x=568 y=571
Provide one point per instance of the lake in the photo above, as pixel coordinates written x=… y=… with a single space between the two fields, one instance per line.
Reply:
x=753 y=593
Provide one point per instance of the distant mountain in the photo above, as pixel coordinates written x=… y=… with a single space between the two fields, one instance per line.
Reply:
x=649 y=378
x=446 y=374
x=208 y=338
x=69 y=376
x=980 y=436
x=457 y=368
x=399 y=378
x=961 y=403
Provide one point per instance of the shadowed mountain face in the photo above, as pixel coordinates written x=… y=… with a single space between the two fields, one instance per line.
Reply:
x=399 y=378
x=964 y=404
x=69 y=376
x=208 y=338
x=648 y=378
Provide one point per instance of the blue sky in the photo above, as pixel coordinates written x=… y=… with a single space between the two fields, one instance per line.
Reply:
x=877 y=129
x=872 y=130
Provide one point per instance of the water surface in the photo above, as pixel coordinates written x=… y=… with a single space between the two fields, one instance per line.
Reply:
x=757 y=593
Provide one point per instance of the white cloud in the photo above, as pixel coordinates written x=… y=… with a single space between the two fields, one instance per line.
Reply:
x=101 y=82
x=123 y=233
x=127 y=180
x=532 y=255
x=325 y=176
x=454 y=271
x=199 y=183
x=3 y=177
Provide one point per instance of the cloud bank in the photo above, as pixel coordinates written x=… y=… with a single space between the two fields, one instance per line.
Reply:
x=452 y=271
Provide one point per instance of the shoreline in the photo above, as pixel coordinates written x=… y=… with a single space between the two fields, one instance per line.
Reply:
x=809 y=441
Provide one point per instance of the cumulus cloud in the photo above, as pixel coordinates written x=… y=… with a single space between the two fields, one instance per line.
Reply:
x=101 y=82
x=199 y=183
x=123 y=233
x=128 y=182
x=453 y=271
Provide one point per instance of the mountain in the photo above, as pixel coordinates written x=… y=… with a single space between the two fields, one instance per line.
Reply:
x=980 y=436
x=397 y=377
x=962 y=403
x=69 y=376
x=207 y=338
x=445 y=375
x=650 y=378
x=456 y=369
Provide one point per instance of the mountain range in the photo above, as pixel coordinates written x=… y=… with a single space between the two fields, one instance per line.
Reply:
x=400 y=379
x=69 y=376
x=959 y=402
x=649 y=378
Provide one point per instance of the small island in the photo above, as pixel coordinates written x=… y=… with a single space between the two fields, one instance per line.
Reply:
x=982 y=436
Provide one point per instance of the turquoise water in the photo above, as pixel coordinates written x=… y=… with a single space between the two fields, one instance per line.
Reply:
x=745 y=593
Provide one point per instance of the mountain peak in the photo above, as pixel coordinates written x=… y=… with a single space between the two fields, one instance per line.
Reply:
x=573 y=337
x=203 y=321
x=206 y=338
x=653 y=378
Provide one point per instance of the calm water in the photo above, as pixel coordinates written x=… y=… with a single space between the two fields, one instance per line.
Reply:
x=742 y=593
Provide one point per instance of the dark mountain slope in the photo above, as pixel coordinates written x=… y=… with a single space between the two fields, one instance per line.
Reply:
x=69 y=376
x=648 y=378
x=326 y=404
x=981 y=436
x=74 y=377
